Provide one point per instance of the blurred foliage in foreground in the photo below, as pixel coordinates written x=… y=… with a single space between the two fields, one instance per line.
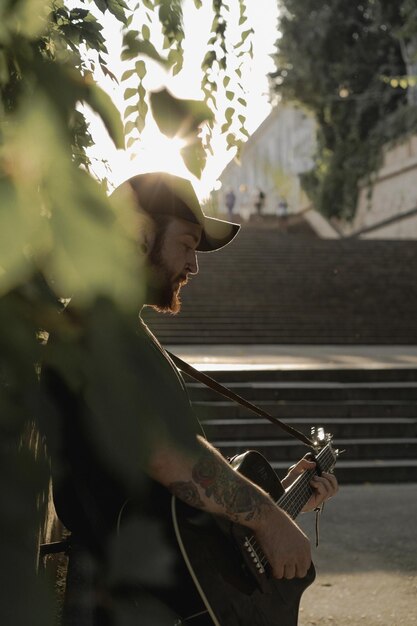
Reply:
x=354 y=66
x=60 y=235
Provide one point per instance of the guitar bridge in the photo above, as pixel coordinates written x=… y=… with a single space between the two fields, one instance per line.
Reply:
x=255 y=557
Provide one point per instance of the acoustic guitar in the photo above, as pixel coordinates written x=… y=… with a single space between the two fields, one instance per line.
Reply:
x=227 y=565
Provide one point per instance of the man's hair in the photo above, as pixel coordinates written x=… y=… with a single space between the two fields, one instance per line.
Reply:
x=161 y=222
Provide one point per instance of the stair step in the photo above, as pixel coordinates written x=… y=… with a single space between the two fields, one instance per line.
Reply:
x=338 y=427
x=315 y=291
x=343 y=375
x=373 y=471
x=294 y=409
x=274 y=390
x=367 y=448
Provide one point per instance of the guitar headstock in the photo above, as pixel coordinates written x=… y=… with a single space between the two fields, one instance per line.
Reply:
x=326 y=454
x=320 y=438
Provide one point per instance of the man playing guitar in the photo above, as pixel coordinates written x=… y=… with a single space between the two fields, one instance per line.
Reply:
x=174 y=228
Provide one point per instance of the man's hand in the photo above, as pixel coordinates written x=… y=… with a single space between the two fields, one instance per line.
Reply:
x=206 y=481
x=324 y=486
x=284 y=544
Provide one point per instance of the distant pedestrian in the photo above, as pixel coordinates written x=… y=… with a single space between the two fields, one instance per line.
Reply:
x=230 y=202
x=282 y=208
x=260 y=202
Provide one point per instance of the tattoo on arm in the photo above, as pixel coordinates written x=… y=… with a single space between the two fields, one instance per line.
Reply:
x=239 y=499
x=187 y=492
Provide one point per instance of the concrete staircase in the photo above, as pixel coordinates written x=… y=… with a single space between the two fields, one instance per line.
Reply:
x=270 y=287
x=372 y=415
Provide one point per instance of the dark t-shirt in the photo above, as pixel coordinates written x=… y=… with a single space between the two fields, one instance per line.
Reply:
x=92 y=440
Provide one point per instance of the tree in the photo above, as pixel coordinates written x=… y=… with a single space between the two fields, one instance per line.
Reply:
x=338 y=59
x=60 y=235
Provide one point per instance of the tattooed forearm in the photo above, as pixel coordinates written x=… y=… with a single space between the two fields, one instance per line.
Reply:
x=187 y=492
x=240 y=499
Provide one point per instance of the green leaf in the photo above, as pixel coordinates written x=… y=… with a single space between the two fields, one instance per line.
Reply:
x=209 y=59
x=230 y=95
x=229 y=113
x=176 y=117
x=108 y=73
x=102 y=104
x=14 y=236
x=142 y=108
x=246 y=34
x=231 y=141
x=226 y=81
x=128 y=74
x=140 y=68
x=129 y=93
x=146 y=33
x=94 y=252
x=4 y=69
x=129 y=126
x=133 y=47
x=140 y=123
x=130 y=110
x=101 y=4
x=177 y=67
x=194 y=157
x=118 y=8
x=141 y=92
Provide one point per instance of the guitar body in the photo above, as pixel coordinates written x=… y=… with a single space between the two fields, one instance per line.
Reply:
x=232 y=590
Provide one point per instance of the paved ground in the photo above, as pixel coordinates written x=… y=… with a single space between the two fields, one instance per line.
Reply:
x=367 y=559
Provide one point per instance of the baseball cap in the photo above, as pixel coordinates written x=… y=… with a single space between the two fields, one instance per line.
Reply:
x=165 y=194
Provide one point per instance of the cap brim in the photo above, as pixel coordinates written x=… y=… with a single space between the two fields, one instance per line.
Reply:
x=216 y=234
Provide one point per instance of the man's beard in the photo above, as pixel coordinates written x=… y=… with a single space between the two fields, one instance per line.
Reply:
x=164 y=290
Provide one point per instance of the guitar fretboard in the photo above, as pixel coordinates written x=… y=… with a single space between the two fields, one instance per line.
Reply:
x=295 y=498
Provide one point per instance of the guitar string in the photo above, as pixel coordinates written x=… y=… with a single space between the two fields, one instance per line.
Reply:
x=298 y=496
x=301 y=500
x=295 y=498
x=325 y=458
x=289 y=499
x=293 y=501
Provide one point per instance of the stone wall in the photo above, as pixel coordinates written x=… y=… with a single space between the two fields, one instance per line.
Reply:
x=272 y=161
x=394 y=192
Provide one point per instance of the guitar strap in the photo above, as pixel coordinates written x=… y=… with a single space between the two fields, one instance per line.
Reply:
x=224 y=391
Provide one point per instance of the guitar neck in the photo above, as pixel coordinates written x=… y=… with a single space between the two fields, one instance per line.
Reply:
x=295 y=498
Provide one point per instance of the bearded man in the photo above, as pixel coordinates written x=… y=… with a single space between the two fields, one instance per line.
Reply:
x=174 y=229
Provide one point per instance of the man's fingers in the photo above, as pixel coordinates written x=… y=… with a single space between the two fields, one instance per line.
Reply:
x=301 y=466
x=278 y=570
x=333 y=481
x=325 y=486
x=290 y=570
x=302 y=572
